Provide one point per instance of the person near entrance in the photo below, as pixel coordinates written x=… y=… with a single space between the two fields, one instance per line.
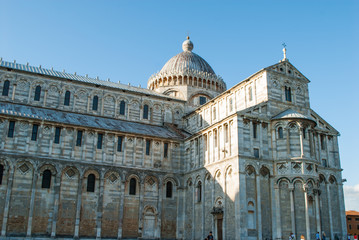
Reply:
x=210 y=236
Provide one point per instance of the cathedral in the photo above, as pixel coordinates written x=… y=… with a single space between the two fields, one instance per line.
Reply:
x=84 y=158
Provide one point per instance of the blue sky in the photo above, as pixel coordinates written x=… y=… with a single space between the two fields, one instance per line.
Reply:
x=128 y=41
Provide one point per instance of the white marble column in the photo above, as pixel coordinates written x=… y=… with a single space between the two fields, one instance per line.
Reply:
x=78 y=207
x=317 y=212
x=301 y=142
x=121 y=208
x=342 y=209
x=141 y=189
x=307 y=223
x=259 y=208
x=159 y=207
x=292 y=209
x=13 y=92
x=193 y=208
x=57 y=188
x=10 y=181
x=278 y=216
x=203 y=206
x=45 y=98
x=100 y=207
x=32 y=201
x=330 y=212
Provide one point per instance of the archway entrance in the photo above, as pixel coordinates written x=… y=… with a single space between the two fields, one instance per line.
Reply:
x=149 y=223
x=219 y=227
x=217 y=213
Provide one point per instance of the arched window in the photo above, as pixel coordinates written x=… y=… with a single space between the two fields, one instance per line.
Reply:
x=169 y=189
x=303 y=130
x=91 y=183
x=37 y=93
x=67 y=98
x=133 y=184
x=122 y=107
x=1 y=172
x=199 y=192
x=280 y=132
x=46 y=179
x=288 y=94
x=5 y=89
x=145 y=111
x=95 y=103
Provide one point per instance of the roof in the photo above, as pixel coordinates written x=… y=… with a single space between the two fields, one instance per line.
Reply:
x=290 y=114
x=82 y=120
x=64 y=75
x=185 y=62
x=352 y=213
x=286 y=62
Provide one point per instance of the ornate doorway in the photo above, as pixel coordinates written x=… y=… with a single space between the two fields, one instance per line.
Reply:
x=219 y=227
x=149 y=223
x=217 y=213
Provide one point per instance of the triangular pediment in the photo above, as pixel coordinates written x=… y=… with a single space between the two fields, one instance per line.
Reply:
x=322 y=125
x=286 y=68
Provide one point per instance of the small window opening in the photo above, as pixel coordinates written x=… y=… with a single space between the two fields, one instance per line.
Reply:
x=280 y=133
x=256 y=152
x=145 y=111
x=169 y=189
x=148 y=145
x=91 y=179
x=5 y=90
x=133 y=184
x=122 y=107
x=165 y=150
x=35 y=129
x=119 y=144
x=199 y=192
x=67 y=98
x=324 y=163
x=254 y=130
x=95 y=103
x=288 y=94
x=46 y=179
x=202 y=100
x=99 y=140
x=10 y=133
x=57 y=135
x=79 y=138
x=37 y=93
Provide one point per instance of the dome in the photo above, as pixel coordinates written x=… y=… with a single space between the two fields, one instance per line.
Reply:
x=187 y=76
x=186 y=61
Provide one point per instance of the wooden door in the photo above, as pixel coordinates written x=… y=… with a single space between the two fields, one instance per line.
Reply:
x=220 y=229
